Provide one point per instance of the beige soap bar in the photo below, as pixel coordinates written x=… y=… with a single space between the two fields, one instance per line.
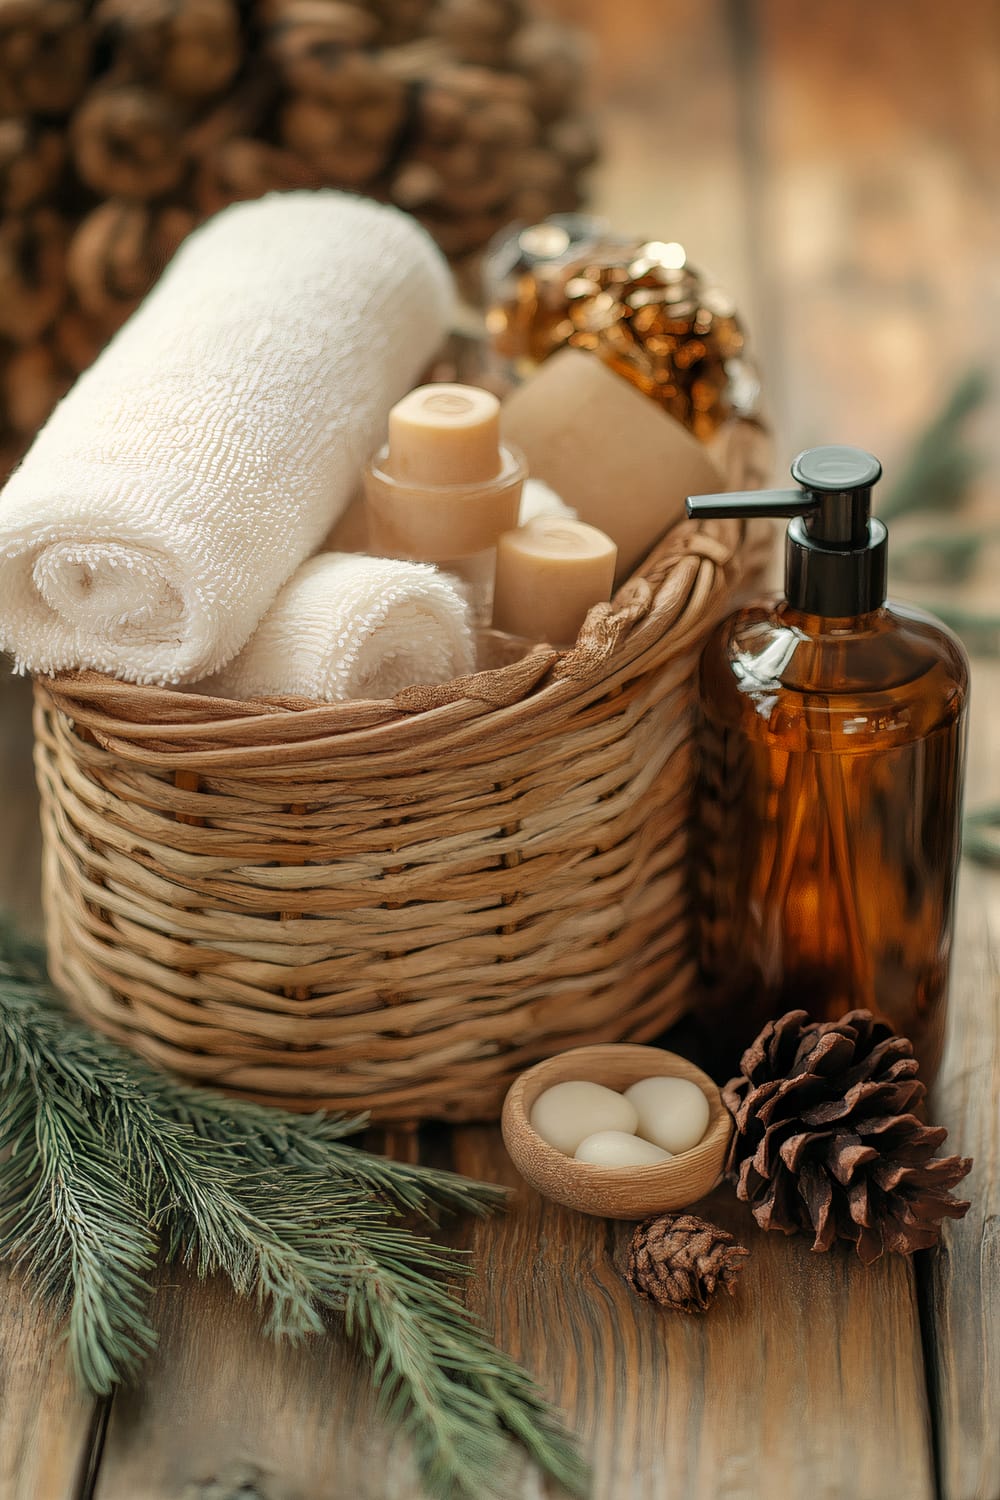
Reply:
x=445 y=434
x=549 y=573
x=621 y=462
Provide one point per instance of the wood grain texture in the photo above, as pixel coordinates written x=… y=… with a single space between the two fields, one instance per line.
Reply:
x=225 y=1414
x=808 y=1384
x=961 y=1281
x=960 y=1284
x=46 y=1430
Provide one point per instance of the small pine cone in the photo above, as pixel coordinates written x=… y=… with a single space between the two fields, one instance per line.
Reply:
x=127 y=143
x=34 y=379
x=826 y=1140
x=44 y=56
x=32 y=273
x=189 y=48
x=241 y=169
x=117 y=254
x=681 y=1261
x=31 y=159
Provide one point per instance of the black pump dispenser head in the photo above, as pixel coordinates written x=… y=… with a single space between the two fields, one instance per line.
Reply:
x=835 y=550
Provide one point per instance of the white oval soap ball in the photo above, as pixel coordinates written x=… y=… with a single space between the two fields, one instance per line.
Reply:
x=616 y=1148
x=567 y=1112
x=673 y=1112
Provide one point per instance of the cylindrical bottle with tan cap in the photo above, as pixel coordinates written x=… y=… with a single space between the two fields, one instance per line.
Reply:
x=444 y=488
x=549 y=574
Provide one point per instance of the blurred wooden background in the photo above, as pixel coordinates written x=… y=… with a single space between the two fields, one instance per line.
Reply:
x=837 y=167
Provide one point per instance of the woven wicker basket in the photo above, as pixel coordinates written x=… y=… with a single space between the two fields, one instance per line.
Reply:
x=390 y=906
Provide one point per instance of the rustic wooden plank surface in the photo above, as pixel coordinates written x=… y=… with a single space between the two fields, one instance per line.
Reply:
x=47 y=1432
x=961 y=1282
x=808 y=1383
x=960 y=1285
x=225 y=1414
x=284 y=1422
x=697 y=1409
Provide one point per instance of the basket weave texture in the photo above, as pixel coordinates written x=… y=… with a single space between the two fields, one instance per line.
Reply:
x=390 y=906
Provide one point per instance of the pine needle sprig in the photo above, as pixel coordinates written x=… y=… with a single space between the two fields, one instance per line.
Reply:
x=942 y=466
x=316 y=1141
x=456 y=1435
x=70 y=1224
x=102 y=1157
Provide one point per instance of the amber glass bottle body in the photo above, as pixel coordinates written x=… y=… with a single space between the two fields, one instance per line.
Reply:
x=829 y=802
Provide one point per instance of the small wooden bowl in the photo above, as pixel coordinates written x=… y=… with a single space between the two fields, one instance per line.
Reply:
x=614 y=1192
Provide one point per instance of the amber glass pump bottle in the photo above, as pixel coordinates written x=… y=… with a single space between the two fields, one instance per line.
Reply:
x=831 y=766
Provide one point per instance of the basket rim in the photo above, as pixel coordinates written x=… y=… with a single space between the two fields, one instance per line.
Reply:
x=660 y=614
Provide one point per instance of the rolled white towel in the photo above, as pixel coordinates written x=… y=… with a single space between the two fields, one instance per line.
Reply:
x=211 y=446
x=347 y=626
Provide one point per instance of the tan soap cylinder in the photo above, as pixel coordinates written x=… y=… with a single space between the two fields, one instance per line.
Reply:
x=444 y=487
x=617 y=458
x=549 y=574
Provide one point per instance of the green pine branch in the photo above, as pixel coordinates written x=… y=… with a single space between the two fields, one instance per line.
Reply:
x=69 y=1221
x=103 y=1158
x=941 y=467
x=981 y=837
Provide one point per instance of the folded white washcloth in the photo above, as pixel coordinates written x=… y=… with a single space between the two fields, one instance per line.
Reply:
x=347 y=626
x=209 y=449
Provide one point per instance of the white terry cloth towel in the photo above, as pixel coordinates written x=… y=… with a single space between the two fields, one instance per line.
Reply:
x=211 y=446
x=347 y=626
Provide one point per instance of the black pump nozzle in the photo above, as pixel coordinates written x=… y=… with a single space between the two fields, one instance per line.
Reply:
x=835 y=553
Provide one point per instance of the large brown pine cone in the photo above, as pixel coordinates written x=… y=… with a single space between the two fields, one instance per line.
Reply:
x=826 y=1140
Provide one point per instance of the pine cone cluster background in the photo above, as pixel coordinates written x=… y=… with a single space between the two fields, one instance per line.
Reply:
x=124 y=123
x=826 y=1139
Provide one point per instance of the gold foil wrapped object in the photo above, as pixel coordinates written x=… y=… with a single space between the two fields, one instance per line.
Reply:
x=640 y=306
